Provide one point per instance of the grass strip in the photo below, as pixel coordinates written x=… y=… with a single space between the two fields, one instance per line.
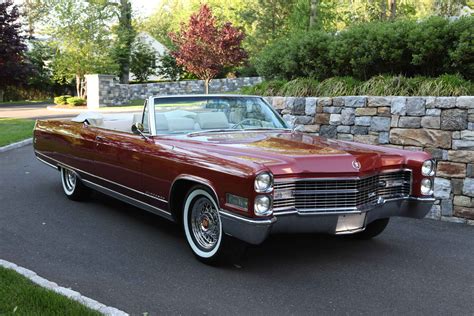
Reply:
x=20 y=296
x=13 y=130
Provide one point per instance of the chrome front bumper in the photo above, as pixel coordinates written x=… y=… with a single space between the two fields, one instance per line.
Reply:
x=255 y=231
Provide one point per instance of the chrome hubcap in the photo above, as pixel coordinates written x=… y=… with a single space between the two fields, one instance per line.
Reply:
x=69 y=180
x=205 y=223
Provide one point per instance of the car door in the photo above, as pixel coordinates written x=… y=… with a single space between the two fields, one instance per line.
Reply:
x=118 y=162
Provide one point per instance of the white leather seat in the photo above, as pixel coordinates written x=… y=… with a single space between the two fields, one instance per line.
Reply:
x=180 y=124
x=180 y=113
x=212 y=120
x=161 y=122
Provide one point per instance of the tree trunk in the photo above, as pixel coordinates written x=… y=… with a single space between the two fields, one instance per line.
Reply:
x=206 y=85
x=125 y=22
x=313 y=13
x=78 y=85
x=2 y=93
x=383 y=10
x=393 y=9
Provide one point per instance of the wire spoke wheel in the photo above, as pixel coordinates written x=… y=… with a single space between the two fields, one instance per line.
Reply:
x=205 y=223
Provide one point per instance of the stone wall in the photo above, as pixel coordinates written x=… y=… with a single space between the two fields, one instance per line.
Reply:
x=442 y=126
x=105 y=90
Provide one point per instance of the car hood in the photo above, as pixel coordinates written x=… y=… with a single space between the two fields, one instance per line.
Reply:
x=291 y=153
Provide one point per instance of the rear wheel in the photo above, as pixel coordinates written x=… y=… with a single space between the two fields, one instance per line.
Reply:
x=373 y=229
x=72 y=185
x=203 y=229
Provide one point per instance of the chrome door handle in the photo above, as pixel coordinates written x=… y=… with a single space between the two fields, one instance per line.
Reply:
x=100 y=138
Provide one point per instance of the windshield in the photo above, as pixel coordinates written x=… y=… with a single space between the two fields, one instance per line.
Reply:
x=182 y=115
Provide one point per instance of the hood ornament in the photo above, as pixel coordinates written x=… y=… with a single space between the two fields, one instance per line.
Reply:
x=356 y=165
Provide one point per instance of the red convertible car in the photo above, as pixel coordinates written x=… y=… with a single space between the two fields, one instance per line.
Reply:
x=231 y=171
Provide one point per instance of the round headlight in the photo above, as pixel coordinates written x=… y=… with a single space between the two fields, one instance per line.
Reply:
x=427 y=169
x=262 y=206
x=426 y=187
x=264 y=182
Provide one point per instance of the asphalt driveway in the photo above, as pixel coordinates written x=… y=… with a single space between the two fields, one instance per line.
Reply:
x=138 y=262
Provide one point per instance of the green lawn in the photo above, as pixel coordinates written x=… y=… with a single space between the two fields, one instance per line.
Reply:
x=20 y=296
x=14 y=130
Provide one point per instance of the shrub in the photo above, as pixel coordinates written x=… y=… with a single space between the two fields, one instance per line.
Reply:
x=61 y=100
x=302 y=55
x=76 y=101
x=461 y=52
x=430 y=47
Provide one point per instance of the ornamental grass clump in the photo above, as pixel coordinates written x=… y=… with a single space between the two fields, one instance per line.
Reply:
x=61 y=100
x=76 y=101
x=445 y=85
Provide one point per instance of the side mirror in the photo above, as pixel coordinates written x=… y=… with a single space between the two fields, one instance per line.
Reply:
x=138 y=129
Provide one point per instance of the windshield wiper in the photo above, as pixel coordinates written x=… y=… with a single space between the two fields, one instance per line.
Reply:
x=237 y=130
x=213 y=131
x=267 y=129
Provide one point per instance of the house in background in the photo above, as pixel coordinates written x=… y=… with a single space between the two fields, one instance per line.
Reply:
x=156 y=46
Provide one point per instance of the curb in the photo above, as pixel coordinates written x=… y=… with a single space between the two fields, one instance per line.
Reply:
x=71 y=294
x=19 y=144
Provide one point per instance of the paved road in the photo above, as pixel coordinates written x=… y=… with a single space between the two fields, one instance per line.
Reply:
x=40 y=111
x=139 y=263
x=32 y=111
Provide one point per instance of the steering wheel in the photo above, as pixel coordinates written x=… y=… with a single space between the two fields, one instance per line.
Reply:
x=241 y=123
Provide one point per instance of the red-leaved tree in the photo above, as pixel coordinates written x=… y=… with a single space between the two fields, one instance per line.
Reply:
x=204 y=48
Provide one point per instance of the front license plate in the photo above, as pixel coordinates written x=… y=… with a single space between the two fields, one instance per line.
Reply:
x=350 y=222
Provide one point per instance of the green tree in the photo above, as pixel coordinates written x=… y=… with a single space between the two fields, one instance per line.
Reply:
x=143 y=62
x=125 y=34
x=79 y=35
x=168 y=68
x=14 y=67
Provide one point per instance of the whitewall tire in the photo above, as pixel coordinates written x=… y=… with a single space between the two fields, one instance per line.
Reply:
x=72 y=185
x=203 y=228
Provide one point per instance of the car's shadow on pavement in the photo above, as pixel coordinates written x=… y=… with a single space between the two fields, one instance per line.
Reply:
x=277 y=251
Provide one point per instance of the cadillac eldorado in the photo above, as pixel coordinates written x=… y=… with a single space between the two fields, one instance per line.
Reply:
x=231 y=171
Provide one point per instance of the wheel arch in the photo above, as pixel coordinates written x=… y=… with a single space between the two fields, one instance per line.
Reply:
x=180 y=187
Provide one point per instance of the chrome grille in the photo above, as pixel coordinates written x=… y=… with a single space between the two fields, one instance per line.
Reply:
x=339 y=195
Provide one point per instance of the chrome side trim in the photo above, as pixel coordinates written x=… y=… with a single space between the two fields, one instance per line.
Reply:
x=47 y=163
x=223 y=212
x=127 y=199
x=107 y=180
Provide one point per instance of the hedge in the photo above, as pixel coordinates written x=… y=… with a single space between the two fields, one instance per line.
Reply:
x=431 y=47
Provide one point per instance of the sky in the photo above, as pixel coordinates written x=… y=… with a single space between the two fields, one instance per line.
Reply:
x=142 y=7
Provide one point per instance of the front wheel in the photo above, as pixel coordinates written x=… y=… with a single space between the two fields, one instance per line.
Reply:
x=203 y=228
x=72 y=185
